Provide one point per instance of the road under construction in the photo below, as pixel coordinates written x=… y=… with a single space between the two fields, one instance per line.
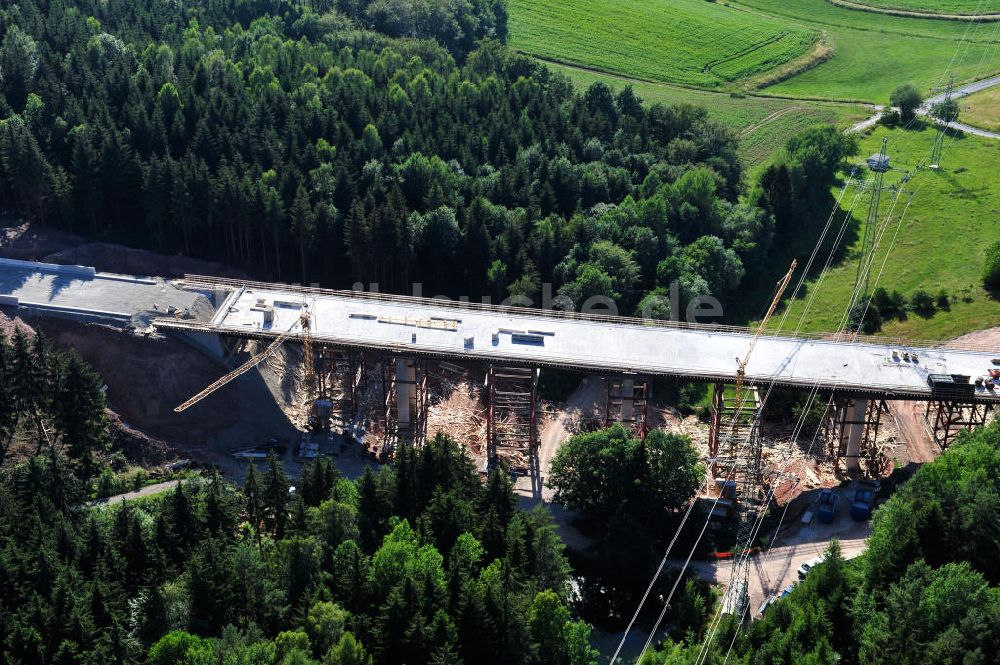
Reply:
x=359 y=335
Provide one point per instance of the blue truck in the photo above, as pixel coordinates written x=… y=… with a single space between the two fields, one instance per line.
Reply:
x=864 y=501
x=827 y=508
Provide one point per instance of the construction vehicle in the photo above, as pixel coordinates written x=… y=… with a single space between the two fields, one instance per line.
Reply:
x=827 y=508
x=864 y=501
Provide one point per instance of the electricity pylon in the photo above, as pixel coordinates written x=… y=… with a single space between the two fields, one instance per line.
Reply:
x=878 y=166
x=942 y=123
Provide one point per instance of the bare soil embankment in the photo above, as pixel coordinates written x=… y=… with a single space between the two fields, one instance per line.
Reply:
x=32 y=243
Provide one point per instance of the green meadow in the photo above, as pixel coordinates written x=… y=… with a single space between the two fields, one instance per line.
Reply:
x=691 y=42
x=938 y=244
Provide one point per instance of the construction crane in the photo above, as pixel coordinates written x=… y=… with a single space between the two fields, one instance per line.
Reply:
x=747 y=468
x=302 y=321
x=741 y=364
x=308 y=367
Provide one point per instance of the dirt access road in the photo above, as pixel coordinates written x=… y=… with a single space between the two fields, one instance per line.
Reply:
x=776 y=568
x=585 y=402
x=147 y=491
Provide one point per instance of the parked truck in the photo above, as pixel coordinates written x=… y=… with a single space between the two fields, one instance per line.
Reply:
x=827 y=508
x=864 y=500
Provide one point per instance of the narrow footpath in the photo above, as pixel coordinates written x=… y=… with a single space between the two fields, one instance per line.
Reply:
x=147 y=491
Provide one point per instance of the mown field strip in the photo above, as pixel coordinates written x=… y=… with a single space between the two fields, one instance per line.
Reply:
x=931 y=6
x=873 y=53
x=919 y=13
x=690 y=42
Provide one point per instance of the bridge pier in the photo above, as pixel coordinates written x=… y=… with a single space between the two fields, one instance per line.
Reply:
x=405 y=403
x=341 y=375
x=952 y=416
x=627 y=402
x=850 y=432
x=512 y=417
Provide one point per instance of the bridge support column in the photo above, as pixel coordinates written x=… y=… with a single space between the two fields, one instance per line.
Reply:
x=341 y=378
x=851 y=434
x=405 y=404
x=948 y=417
x=627 y=402
x=857 y=429
x=512 y=417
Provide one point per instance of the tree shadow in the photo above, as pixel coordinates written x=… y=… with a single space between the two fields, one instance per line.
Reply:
x=796 y=243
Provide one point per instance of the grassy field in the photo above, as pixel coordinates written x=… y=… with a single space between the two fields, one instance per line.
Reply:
x=761 y=123
x=933 y=6
x=690 y=42
x=940 y=245
x=982 y=109
x=733 y=45
x=873 y=53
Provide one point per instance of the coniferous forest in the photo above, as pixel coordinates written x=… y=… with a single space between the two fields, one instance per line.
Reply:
x=397 y=142
x=421 y=562
x=393 y=141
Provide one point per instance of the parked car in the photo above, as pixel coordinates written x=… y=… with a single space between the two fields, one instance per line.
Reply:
x=771 y=598
x=810 y=564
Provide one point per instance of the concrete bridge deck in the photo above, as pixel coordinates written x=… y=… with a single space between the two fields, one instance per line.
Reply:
x=81 y=293
x=493 y=335
x=516 y=336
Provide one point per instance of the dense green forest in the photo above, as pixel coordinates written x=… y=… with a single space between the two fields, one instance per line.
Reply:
x=393 y=141
x=419 y=563
x=926 y=591
x=51 y=401
x=630 y=494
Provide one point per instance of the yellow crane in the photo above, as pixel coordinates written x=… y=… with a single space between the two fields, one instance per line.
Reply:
x=741 y=364
x=302 y=321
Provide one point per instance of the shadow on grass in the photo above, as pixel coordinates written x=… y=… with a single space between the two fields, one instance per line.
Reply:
x=795 y=243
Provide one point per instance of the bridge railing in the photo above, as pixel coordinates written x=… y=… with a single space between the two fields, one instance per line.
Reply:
x=579 y=362
x=207 y=282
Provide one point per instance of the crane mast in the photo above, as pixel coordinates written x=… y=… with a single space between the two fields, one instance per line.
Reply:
x=302 y=321
x=746 y=460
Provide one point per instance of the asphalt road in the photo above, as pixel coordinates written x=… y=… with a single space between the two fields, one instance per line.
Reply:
x=958 y=93
x=774 y=569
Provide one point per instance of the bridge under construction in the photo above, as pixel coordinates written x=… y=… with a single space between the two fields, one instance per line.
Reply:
x=368 y=338
x=515 y=342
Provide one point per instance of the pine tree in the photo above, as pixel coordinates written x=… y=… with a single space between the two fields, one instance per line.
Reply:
x=9 y=399
x=79 y=412
x=274 y=495
x=251 y=489
x=219 y=516
x=303 y=226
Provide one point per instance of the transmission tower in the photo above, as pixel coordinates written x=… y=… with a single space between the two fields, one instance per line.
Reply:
x=942 y=124
x=878 y=164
